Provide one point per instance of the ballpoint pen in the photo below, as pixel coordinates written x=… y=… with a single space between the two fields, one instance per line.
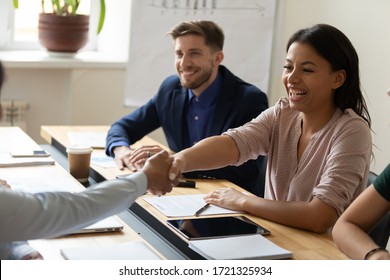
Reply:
x=186 y=184
x=197 y=213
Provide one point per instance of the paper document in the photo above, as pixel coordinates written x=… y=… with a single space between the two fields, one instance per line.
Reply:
x=184 y=205
x=103 y=161
x=247 y=247
x=94 y=139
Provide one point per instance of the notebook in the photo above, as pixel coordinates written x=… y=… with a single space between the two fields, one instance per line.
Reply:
x=109 y=224
x=133 y=250
x=247 y=247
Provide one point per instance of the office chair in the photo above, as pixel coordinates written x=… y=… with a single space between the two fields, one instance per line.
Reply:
x=262 y=177
x=381 y=231
x=371 y=178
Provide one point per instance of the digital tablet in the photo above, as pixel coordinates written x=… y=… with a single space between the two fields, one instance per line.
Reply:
x=202 y=228
x=29 y=153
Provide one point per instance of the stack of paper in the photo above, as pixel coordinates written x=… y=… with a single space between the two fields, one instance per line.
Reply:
x=245 y=247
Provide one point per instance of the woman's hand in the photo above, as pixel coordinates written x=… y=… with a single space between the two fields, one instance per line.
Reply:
x=227 y=197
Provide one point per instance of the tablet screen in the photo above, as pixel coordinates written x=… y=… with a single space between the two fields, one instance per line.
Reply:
x=201 y=228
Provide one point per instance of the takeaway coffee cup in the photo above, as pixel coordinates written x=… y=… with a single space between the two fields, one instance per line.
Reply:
x=79 y=158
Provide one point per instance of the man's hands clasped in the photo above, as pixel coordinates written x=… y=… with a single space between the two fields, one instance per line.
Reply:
x=134 y=160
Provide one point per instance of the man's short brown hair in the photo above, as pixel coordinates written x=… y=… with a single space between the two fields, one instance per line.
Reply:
x=210 y=31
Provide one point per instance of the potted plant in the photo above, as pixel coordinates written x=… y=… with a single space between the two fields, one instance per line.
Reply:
x=63 y=29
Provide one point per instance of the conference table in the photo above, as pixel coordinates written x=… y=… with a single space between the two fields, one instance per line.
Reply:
x=305 y=245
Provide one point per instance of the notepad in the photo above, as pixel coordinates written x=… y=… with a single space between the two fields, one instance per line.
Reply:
x=133 y=250
x=248 y=247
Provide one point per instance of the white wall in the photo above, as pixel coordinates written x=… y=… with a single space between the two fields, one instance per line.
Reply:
x=95 y=95
x=65 y=96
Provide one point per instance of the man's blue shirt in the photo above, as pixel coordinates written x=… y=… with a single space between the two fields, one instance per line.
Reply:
x=201 y=112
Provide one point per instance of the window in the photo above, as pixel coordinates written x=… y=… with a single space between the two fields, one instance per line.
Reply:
x=20 y=26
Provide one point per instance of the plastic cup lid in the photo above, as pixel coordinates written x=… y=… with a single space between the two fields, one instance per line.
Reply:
x=79 y=149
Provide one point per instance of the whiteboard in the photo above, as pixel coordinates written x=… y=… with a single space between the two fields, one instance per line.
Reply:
x=248 y=26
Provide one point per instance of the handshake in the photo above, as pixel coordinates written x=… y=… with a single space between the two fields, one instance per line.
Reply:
x=162 y=172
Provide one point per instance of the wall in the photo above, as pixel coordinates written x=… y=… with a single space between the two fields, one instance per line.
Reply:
x=95 y=95
x=65 y=96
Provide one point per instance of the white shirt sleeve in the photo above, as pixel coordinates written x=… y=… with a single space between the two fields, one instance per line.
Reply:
x=25 y=216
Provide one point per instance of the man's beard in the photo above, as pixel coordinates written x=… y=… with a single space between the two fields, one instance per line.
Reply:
x=199 y=81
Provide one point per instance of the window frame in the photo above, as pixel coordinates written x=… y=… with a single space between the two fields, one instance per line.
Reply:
x=7 y=27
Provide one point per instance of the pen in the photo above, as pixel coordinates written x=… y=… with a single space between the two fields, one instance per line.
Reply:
x=186 y=184
x=197 y=213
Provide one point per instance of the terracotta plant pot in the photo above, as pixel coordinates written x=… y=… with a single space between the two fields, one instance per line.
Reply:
x=63 y=33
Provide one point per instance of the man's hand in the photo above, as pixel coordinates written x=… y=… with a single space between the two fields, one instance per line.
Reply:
x=134 y=160
x=33 y=256
x=4 y=184
x=156 y=169
x=122 y=154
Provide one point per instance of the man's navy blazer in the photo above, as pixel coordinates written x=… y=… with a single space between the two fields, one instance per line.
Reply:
x=237 y=103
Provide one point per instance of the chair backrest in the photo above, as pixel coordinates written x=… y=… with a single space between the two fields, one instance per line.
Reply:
x=262 y=177
x=371 y=178
x=381 y=231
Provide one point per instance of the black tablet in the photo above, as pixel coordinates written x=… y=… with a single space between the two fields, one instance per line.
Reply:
x=201 y=228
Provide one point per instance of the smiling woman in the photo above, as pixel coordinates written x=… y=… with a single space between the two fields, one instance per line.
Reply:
x=317 y=139
x=311 y=82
